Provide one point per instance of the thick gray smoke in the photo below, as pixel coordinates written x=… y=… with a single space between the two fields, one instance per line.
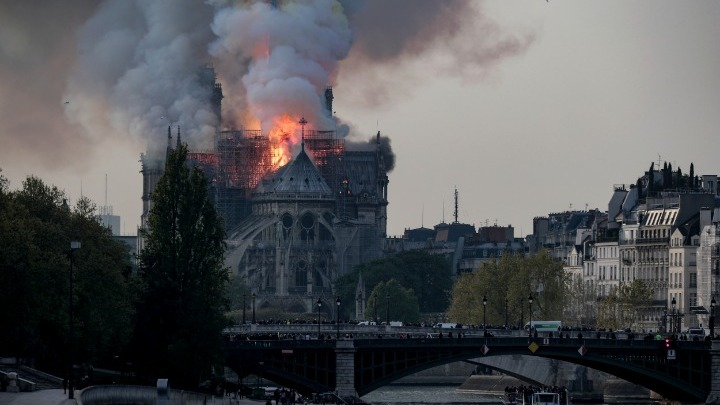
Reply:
x=137 y=71
x=287 y=55
x=129 y=68
x=390 y=34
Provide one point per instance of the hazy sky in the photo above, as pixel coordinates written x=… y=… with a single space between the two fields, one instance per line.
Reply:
x=527 y=107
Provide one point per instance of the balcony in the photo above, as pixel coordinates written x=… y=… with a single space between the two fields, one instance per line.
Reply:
x=652 y=241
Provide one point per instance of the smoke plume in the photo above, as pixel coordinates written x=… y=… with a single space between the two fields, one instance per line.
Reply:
x=392 y=35
x=83 y=71
x=291 y=53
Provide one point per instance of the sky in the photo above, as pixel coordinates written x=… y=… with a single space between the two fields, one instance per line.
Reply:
x=525 y=107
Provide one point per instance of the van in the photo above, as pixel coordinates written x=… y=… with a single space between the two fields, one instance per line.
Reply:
x=696 y=332
x=445 y=325
x=544 y=326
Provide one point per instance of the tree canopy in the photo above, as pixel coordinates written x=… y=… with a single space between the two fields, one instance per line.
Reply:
x=392 y=302
x=428 y=276
x=507 y=284
x=36 y=228
x=623 y=306
x=182 y=311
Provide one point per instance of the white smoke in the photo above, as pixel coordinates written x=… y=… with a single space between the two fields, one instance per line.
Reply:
x=291 y=53
x=138 y=61
x=137 y=71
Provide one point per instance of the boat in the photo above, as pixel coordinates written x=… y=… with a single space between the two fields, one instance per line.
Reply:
x=550 y=398
x=536 y=396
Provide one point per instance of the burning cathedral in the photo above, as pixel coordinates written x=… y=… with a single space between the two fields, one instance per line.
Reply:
x=301 y=205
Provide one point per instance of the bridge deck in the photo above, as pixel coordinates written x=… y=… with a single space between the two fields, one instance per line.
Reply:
x=310 y=365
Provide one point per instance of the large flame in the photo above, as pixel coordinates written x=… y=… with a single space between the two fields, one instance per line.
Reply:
x=282 y=136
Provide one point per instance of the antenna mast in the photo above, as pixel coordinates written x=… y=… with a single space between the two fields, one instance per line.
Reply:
x=456 y=206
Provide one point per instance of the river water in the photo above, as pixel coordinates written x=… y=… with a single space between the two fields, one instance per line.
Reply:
x=446 y=395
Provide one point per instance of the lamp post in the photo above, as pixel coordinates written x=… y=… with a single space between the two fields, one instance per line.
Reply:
x=259 y=376
x=319 y=304
x=530 y=300
x=337 y=317
x=506 y=312
x=484 y=306
x=674 y=316
x=387 y=309
x=375 y=319
x=244 y=296
x=253 y=302
x=712 y=318
x=71 y=384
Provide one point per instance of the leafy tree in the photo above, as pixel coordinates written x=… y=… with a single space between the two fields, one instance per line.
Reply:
x=182 y=310
x=623 y=306
x=428 y=275
x=394 y=301
x=691 y=176
x=35 y=233
x=239 y=294
x=582 y=303
x=507 y=284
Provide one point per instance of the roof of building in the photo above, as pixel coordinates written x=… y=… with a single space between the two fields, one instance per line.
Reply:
x=300 y=176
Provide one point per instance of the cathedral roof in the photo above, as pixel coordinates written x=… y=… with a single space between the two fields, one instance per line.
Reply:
x=300 y=176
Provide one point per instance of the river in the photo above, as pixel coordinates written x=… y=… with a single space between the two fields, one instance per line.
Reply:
x=447 y=395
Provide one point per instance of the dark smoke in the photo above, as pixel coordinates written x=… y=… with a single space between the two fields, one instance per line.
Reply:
x=391 y=30
x=387 y=153
x=37 y=48
x=76 y=72
x=391 y=34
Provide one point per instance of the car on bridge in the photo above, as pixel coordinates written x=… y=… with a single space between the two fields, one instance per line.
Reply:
x=693 y=333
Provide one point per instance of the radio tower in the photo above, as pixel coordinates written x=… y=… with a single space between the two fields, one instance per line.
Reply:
x=456 y=206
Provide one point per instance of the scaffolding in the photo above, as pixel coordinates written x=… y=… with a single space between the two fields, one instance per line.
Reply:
x=327 y=152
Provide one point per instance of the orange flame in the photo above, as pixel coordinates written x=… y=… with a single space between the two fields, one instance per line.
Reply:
x=282 y=135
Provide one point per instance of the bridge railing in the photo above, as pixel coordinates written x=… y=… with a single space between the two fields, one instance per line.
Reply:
x=525 y=341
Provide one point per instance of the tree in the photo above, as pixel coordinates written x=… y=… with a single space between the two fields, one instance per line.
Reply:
x=511 y=279
x=182 y=310
x=691 y=176
x=582 y=303
x=622 y=307
x=392 y=300
x=238 y=294
x=428 y=275
x=36 y=228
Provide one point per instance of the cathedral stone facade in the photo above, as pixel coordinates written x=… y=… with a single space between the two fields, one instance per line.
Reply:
x=303 y=233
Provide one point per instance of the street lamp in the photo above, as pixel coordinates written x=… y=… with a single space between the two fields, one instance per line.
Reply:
x=337 y=317
x=674 y=316
x=484 y=306
x=530 y=299
x=319 y=304
x=387 y=309
x=375 y=318
x=253 y=302
x=259 y=376
x=71 y=385
x=712 y=318
x=244 y=295
x=506 y=312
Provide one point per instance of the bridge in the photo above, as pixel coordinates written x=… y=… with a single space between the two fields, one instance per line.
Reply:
x=354 y=367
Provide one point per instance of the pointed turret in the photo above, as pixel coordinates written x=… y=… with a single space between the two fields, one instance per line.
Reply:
x=169 y=144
